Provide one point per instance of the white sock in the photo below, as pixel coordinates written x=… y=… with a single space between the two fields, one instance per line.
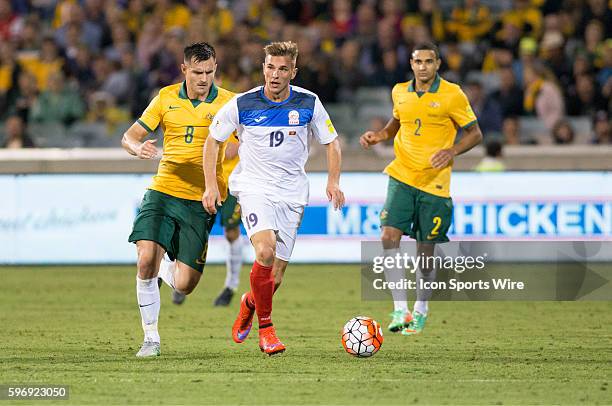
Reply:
x=233 y=264
x=147 y=293
x=400 y=296
x=421 y=306
x=423 y=295
x=166 y=271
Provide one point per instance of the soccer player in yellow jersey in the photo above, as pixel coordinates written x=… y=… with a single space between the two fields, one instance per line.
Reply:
x=230 y=221
x=172 y=219
x=427 y=113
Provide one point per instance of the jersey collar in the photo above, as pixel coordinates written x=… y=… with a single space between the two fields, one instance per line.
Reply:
x=432 y=89
x=263 y=94
x=212 y=95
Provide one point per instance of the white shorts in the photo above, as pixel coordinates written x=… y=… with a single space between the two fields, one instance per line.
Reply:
x=261 y=212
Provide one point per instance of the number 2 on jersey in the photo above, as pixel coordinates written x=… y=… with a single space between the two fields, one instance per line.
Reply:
x=418 y=123
x=189 y=134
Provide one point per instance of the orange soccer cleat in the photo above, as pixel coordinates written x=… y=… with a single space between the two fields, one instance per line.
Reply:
x=269 y=342
x=244 y=321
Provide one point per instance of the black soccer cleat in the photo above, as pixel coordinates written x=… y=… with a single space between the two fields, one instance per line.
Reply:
x=225 y=298
x=178 y=297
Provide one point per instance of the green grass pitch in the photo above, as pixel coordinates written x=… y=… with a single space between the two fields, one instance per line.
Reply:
x=80 y=326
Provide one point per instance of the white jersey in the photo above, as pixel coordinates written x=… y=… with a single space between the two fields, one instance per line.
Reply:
x=273 y=141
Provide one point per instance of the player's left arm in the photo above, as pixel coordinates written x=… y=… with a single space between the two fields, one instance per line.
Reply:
x=462 y=114
x=325 y=133
x=334 y=161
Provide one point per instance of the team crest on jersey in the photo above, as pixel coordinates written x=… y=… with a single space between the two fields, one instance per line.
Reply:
x=209 y=116
x=294 y=117
x=434 y=104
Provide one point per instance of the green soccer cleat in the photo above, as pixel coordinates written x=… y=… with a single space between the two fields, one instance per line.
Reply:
x=416 y=326
x=399 y=320
x=149 y=349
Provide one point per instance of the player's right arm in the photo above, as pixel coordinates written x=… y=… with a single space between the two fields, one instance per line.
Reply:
x=374 y=137
x=222 y=127
x=147 y=123
x=370 y=138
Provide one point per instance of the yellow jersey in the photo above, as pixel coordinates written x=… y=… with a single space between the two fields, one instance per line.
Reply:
x=185 y=124
x=230 y=163
x=428 y=123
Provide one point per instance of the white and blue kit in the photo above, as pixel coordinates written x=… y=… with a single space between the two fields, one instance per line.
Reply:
x=270 y=180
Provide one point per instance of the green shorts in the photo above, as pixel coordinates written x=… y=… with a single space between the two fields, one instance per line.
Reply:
x=230 y=212
x=180 y=226
x=421 y=215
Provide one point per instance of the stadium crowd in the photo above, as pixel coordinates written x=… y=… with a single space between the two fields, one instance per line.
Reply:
x=68 y=62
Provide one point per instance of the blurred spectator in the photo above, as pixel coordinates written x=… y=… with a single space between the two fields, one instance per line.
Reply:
x=150 y=41
x=524 y=16
x=433 y=18
x=391 y=15
x=552 y=52
x=9 y=72
x=165 y=65
x=10 y=22
x=511 y=131
x=102 y=110
x=79 y=67
x=597 y=10
x=348 y=71
x=175 y=15
x=470 y=21
x=28 y=40
x=605 y=73
x=215 y=14
x=16 y=135
x=343 y=20
x=48 y=63
x=602 y=128
x=492 y=162
x=509 y=95
x=73 y=17
x=593 y=41
x=121 y=39
x=584 y=97
x=60 y=103
x=390 y=73
x=22 y=97
x=563 y=133
x=487 y=109
x=528 y=48
x=542 y=95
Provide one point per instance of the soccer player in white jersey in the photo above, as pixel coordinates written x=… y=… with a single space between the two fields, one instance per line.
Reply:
x=273 y=124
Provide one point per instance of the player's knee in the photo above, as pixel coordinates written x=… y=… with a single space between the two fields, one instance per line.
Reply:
x=390 y=239
x=147 y=268
x=185 y=287
x=265 y=254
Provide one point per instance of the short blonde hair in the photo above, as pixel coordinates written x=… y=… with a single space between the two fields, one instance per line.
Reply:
x=285 y=48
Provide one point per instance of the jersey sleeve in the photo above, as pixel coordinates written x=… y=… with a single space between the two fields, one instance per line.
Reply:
x=460 y=110
x=226 y=121
x=395 y=110
x=152 y=115
x=321 y=125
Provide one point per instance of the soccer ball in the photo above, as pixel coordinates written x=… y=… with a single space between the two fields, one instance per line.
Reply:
x=362 y=336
